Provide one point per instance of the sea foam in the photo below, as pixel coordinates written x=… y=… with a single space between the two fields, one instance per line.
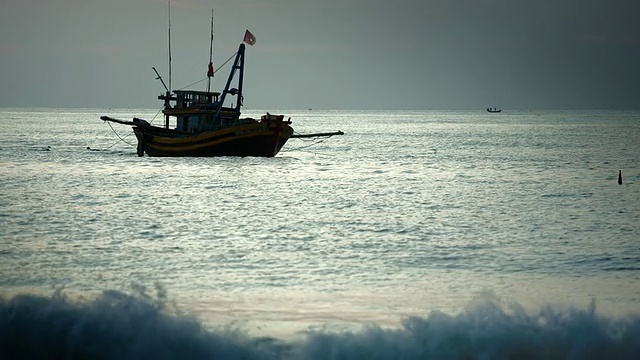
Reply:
x=118 y=325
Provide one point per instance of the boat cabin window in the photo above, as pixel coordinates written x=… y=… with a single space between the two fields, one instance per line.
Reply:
x=195 y=99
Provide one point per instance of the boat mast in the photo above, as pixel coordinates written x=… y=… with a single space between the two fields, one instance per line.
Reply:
x=210 y=70
x=169 y=19
x=167 y=96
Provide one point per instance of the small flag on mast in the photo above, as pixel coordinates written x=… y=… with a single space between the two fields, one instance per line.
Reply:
x=249 y=38
x=210 y=72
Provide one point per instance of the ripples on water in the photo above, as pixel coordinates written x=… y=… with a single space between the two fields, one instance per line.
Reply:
x=408 y=213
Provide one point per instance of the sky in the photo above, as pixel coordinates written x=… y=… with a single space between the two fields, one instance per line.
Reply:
x=329 y=54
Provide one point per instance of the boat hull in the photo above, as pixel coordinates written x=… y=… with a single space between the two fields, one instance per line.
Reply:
x=262 y=139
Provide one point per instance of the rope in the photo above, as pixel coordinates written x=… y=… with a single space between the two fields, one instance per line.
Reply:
x=118 y=135
x=218 y=69
x=190 y=85
x=155 y=116
x=225 y=63
x=122 y=138
x=315 y=142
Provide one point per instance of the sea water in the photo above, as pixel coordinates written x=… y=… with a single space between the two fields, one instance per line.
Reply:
x=417 y=234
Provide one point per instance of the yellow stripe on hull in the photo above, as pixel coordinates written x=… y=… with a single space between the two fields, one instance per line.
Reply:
x=160 y=143
x=259 y=139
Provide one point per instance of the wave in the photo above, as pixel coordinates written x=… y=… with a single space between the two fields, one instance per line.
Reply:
x=118 y=325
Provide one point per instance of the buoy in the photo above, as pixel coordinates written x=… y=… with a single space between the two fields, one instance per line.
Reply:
x=619 y=177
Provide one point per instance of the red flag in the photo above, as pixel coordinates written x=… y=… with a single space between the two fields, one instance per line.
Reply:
x=249 y=38
x=210 y=72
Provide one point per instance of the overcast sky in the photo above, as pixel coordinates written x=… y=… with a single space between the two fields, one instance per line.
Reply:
x=327 y=54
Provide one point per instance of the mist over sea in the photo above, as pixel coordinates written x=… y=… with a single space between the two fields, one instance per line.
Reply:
x=416 y=235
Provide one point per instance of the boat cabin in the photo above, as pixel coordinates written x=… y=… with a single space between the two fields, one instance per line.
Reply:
x=197 y=111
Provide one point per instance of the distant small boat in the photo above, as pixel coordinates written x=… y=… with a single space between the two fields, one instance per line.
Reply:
x=494 y=110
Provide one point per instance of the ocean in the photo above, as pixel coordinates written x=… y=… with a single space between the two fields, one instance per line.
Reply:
x=416 y=235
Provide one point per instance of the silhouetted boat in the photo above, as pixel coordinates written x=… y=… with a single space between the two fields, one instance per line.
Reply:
x=493 y=110
x=205 y=127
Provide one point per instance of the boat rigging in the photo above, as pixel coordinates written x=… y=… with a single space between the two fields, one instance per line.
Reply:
x=205 y=126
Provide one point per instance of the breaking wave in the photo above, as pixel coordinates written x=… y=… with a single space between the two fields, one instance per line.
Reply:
x=118 y=325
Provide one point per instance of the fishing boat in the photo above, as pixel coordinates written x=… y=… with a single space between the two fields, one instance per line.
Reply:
x=204 y=126
x=494 y=110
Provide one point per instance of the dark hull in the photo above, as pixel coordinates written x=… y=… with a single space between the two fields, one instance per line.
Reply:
x=263 y=139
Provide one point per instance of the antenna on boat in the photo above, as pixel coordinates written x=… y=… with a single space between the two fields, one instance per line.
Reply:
x=162 y=81
x=169 y=19
x=210 y=70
